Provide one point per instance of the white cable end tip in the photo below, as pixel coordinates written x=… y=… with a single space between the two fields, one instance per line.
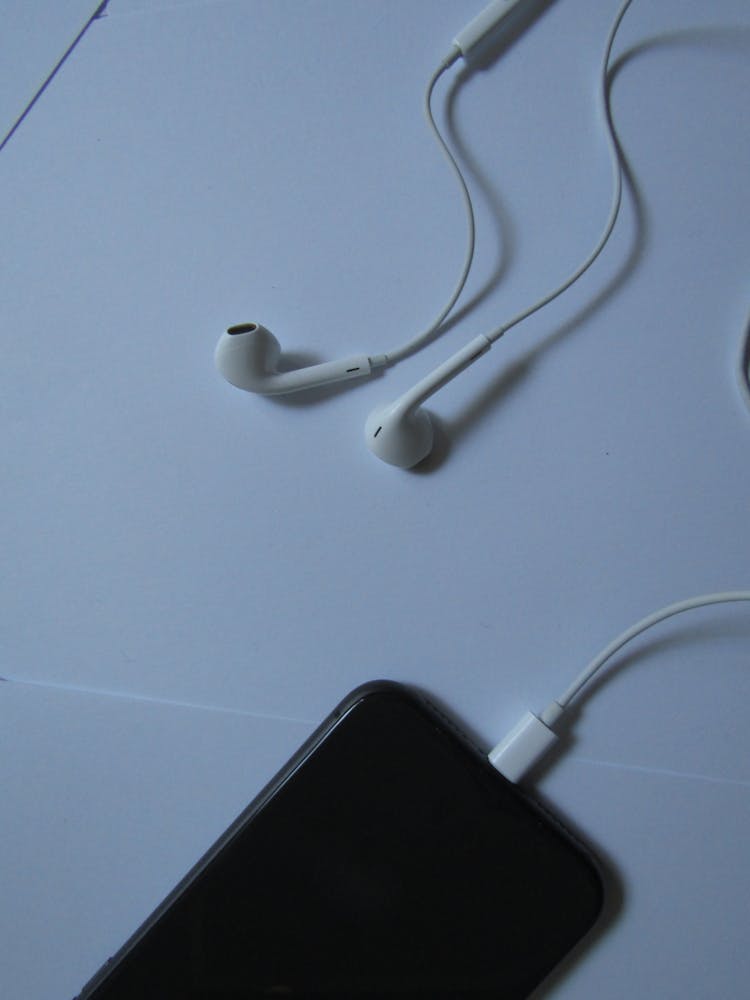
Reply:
x=526 y=743
x=454 y=54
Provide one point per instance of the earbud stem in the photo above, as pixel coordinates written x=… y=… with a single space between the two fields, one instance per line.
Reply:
x=316 y=375
x=445 y=372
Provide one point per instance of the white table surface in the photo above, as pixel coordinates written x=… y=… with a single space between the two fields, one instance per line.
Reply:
x=171 y=544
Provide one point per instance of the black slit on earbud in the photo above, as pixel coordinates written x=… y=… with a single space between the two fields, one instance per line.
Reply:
x=378 y=431
x=352 y=369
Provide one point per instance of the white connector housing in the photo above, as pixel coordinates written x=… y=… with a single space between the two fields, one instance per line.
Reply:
x=469 y=37
x=526 y=743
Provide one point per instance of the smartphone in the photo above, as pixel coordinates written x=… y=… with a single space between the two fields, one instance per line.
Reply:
x=388 y=857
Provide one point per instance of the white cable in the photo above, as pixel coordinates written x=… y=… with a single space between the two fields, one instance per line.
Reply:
x=553 y=711
x=616 y=190
x=399 y=353
x=533 y=736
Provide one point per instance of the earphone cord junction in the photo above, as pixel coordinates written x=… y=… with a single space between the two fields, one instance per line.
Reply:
x=614 y=153
x=399 y=353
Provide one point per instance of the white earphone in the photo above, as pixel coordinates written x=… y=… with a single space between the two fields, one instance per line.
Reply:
x=400 y=432
x=247 y=355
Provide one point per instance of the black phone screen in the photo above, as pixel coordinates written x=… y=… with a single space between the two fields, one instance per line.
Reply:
x=388 y=858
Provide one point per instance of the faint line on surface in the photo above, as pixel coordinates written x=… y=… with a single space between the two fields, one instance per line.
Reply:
x=50 y=76
x=663 y=772
x=172 y=703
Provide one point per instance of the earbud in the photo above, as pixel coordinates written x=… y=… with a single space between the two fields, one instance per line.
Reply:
x=247 y=356
x=400 y=433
